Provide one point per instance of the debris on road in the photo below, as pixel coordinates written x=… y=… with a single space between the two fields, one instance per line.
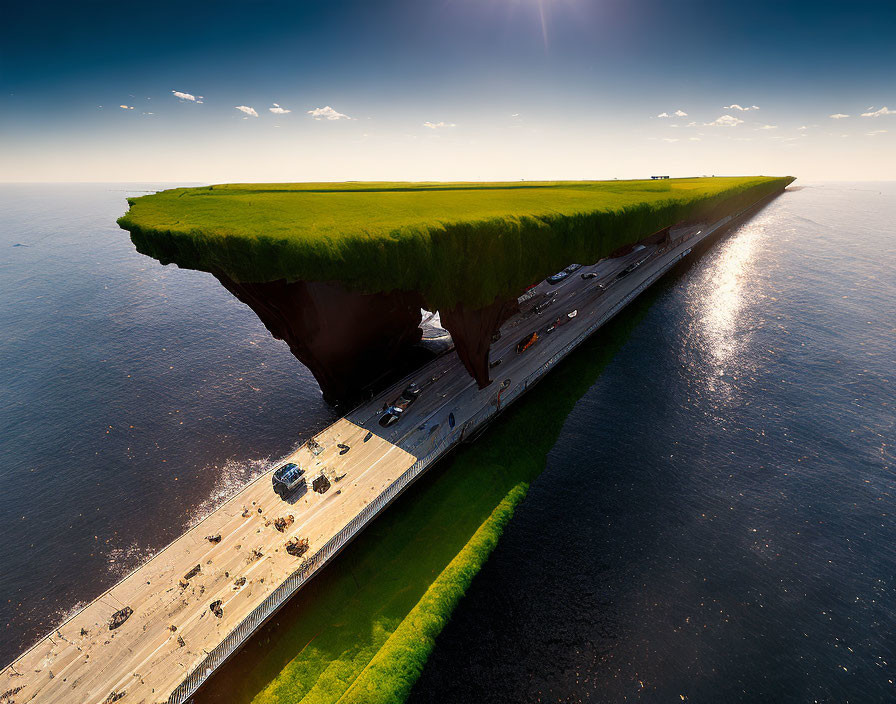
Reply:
x=315 y=447
x=216 y=609
x=297 y=546
x=119 y=617
x=192 y=573
x=180 y=641
x=239 y=582
x=282 y=523
x=368 y=436
x=213 y=538
x=320 y=484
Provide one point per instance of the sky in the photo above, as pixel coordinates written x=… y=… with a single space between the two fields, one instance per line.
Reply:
x=264 y=90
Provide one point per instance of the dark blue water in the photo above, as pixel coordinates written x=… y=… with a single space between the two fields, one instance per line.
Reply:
x=135 y=398
x=716 y=521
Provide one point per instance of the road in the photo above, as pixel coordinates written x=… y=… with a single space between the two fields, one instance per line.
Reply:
x=240 y=553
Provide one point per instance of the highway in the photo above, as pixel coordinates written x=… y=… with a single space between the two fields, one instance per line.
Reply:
x=177 y=614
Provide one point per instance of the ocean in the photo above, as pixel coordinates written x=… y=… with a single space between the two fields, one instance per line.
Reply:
x=715 y=522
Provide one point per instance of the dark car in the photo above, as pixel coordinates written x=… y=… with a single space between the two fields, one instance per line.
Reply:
x=287 y=478
x=390 y=417
x=589 y=275
x=572 y=268
x=411 y=391
x=558 y=277
x=541 y=306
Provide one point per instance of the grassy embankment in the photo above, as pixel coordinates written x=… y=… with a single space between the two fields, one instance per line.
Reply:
x=454 y=242
x=363 y=629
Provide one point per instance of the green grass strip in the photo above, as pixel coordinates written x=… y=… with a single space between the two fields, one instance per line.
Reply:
x=452 y=242
x=395 y=668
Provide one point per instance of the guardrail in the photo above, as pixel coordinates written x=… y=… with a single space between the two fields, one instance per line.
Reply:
x=232 y=642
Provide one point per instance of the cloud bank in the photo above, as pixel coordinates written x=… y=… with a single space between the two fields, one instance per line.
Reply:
x=877 y=113
x=327 y=113
x=277 y=110
x=187 y=96
x=246 y=109
x=725 y=121
x=437 y=125
x=735 y=106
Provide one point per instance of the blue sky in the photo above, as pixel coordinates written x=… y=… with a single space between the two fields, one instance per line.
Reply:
x=453 y=89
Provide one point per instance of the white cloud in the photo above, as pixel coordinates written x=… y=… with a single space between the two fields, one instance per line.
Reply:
x=693 y=139
x=692 y=124
x=735 y=106
x=327 y=113
x=664 y=114
x=437 y=125
x=246 y=109
x=187 y=96
x=680 y=113
x=724 y=121
x=803 y=127
x=670 y=139
x=277 y=110
x=769 y=127
x=874 y=133
x=837 y=116
x=516 y=114
x=126 y=107
x=877 y=113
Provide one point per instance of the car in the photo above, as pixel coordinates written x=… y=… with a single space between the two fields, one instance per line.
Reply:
x=558 y=277
x=572 y=268
x=526 y=342
x=589 y=275
x=390 y=417
x=541 y=306
x=401 y=404
x=287 y=478
x=411 y=391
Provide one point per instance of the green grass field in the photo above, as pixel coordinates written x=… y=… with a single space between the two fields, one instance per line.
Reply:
x=363 y=629
x=454 y=242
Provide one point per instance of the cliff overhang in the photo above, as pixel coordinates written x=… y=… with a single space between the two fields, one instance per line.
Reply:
x=340 y=271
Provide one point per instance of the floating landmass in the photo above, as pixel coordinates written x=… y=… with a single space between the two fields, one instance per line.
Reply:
x=341 y=271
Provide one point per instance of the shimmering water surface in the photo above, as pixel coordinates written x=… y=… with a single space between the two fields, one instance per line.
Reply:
x=716 y=520
x=714 y=524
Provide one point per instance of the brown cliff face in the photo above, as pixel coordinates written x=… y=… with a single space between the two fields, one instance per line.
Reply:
x=346 y=339
x=472 y=331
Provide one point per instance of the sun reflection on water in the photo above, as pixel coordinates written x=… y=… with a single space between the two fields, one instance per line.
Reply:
x=719 y=326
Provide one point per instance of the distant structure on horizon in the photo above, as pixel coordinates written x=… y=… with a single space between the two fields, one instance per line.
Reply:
x=657 y=177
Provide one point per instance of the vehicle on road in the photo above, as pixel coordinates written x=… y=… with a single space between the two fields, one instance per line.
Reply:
x=411 y=391
x=526 y=342
x=562 y=320
x=572 y=268
x=544 y=304
x=558 y=277
x=390 y=416
x=287 y=478
x=589 y=275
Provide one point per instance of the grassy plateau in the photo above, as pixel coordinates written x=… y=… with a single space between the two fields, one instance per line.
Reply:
x=454 y=242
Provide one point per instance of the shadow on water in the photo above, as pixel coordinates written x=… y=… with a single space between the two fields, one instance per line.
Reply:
x=320 y=641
